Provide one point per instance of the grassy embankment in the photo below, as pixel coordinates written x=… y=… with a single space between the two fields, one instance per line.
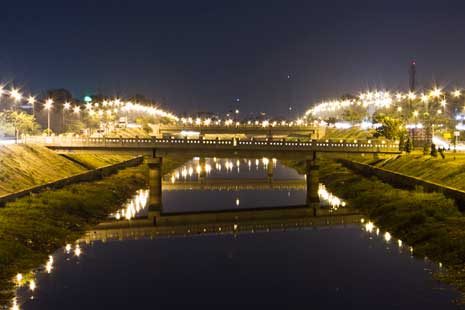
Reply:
x=429 y=222
x=24 y=166
x=449 y=171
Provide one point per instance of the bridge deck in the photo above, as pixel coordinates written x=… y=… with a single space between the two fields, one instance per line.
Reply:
x=204 y=146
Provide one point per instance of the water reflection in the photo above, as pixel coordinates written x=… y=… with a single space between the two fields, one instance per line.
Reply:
x=130 y=224
x=134 y=207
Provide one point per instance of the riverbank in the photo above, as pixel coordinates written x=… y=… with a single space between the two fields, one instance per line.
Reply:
x=33 y=227
x=24 y=166
x=449 y=171
x=428 y=222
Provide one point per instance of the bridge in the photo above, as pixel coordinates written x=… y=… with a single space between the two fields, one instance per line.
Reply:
x=249 y=130
x=156 y=149
x=220 y=222
x=251 y=148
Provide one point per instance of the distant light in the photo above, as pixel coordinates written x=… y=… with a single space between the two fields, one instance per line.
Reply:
x=87 y=98
x=31 y=100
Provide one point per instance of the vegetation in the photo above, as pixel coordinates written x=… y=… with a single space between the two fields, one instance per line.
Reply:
x=391 y=128
x=449 y=171
x=15 y=123
x=429 y=222
x=92 y=161
x=33 y=227
x=24 y=166
x=351 y=133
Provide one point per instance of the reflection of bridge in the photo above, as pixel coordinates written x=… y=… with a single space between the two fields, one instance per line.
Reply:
x=235 y=184
x=249 y=130
x=228 y=221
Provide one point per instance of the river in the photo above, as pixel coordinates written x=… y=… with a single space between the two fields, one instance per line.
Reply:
x=264 y=263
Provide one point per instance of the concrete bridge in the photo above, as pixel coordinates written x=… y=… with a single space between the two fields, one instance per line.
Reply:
x=220 y=222
x=249 y=130
x=250 y=148
x=156 y=149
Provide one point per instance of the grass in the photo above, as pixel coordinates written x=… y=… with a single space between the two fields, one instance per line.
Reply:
x=33 y=227
x=23 y=166
x=350 y=133
x=92 y=161
x=449 y=171
x=429 y=222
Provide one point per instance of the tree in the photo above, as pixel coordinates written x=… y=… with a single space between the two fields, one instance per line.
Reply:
x=434 y=150
x=391 y=128
x=402 y=144
x=408 y=145
x=22 y=123
x=426 y=149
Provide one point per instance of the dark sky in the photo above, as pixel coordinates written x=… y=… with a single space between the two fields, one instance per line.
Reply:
x=202 y=55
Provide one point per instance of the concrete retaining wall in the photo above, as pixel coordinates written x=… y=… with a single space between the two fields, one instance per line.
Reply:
x=404 y=181
x=87 y=176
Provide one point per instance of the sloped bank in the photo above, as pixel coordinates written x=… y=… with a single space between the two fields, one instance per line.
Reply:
x=429 y=222
x=87 y=176
x=33 y=227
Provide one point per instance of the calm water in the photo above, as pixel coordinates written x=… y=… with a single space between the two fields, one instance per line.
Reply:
x=320 y=267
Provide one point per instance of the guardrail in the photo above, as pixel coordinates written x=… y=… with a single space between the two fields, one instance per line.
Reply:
x=282 y=145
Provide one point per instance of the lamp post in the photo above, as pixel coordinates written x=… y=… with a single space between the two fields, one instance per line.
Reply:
x=32 y=101
x=66 y=107
x=48 y=106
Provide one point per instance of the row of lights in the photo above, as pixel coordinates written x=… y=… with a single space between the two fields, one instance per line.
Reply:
x=381 y=99
x=115 y=105
x=229 y=122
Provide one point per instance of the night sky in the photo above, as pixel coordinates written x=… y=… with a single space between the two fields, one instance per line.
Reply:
x=203 y=55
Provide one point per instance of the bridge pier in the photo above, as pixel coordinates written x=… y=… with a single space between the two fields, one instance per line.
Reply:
x=312 y=174
x=155 y=182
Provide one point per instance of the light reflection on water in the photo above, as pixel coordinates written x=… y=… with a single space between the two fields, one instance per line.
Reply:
x=39 y=281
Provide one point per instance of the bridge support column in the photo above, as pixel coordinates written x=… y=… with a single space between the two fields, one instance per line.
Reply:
x=313 y=201
x=155 y=181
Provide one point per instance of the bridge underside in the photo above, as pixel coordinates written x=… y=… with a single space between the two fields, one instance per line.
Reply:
x=201 y=152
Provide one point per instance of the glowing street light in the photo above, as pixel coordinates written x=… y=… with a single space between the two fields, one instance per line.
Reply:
x=48 y=106
x=32 y=101
x=76 y=110
x=424 y=98
x=66 y=105
x=15 y=94
x=456 y=93
x=411 y=96
x=435 y=93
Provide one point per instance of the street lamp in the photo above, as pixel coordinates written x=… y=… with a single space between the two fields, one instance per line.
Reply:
x=32 y=100
x=15 y=94
x=66 y=107
x=48 y=106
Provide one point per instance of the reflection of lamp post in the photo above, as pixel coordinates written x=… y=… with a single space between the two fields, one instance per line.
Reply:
x=47 y=106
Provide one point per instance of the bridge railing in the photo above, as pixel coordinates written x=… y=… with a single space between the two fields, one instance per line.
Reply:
x=330 y=145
